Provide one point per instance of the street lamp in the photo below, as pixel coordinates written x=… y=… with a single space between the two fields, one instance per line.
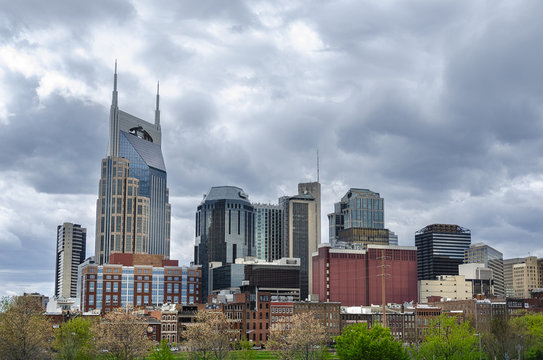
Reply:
x=480 y=347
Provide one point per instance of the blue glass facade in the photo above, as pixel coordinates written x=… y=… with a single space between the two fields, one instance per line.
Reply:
x=359 y=208
x=147 y=165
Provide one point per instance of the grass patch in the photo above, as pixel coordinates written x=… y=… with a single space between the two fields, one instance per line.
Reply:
x=239 y=355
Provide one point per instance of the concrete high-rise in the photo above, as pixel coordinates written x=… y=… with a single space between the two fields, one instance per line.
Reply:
x=440 y=249
x=71 y=248
x=493 y=259
x=301 y=225
x=132 y=210
x=224 y=230
x=508 y=275
x=268 y=231
x=313 y=189
x=527 y=276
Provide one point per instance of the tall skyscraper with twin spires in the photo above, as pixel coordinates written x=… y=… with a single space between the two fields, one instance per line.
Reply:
x=132 y=210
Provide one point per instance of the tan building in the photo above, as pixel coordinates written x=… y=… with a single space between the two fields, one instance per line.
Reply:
x=527 y=276
x=454 y=287
x=508 y=275
x=128 y=230
x=302 y=222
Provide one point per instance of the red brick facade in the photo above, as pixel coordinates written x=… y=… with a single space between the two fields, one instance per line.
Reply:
x=354 y=277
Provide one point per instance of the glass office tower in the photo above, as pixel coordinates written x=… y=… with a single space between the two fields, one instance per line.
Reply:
x=440 y=249
x=133 y=210
x=358 y=218
x=224 y=230
x=268 y=231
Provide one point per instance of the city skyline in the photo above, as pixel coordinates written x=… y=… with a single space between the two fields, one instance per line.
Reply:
x=434 y=106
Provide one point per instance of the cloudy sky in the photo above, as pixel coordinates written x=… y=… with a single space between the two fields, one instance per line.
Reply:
x=435 y=105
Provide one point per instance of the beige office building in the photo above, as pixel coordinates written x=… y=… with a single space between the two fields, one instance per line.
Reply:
x=527 y=276
x=453 y=287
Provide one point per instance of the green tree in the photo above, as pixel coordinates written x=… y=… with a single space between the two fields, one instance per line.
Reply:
x=447 y=339
x=501 y=338
x=529 y=330
x=162 y=352
x=356 y=342
x=25 y=333
x=246 y=351
x=75 y=340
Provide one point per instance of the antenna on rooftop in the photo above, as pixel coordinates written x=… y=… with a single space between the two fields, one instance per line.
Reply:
x=318 y=165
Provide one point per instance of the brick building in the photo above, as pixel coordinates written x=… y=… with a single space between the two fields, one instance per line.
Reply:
x=138 y=280
x=354 y=277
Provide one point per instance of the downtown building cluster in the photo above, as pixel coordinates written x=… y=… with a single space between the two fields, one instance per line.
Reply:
x=262 y=263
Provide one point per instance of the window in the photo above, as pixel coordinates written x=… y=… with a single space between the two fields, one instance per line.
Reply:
x=91 y=299
x=139 y=287
x=108 y=286
x=115 y=287
x=176 y=288
x=115 y=299
x=108 y=299
x=138 y=300
x=169 y=287
x=146 y=299
x=146 y=287
x=91 y=286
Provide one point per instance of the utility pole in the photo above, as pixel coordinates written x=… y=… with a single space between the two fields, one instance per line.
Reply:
x=383 y=285
x=383 y=300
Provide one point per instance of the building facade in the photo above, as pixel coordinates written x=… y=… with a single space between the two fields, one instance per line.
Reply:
x=508 y=275
x=224 y=229
x=493 y=259
x=133 y=280
x=279 y=278
x=301 y=219
x=268 y=231
x=358 y=208
x=527 y=276
x=440 y=249
x=355 y=277
x=133 y=182
x=480 y=277
x=453 y=287
x=71 y=249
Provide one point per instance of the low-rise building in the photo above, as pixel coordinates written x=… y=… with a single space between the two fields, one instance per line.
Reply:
x=454 y=287
x=138 y=280
x=279 y=277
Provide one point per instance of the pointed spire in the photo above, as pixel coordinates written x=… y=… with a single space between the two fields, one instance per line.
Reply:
x=114 y=96
x=157 y=109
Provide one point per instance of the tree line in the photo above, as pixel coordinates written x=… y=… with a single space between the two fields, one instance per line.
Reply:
x=25 y=333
